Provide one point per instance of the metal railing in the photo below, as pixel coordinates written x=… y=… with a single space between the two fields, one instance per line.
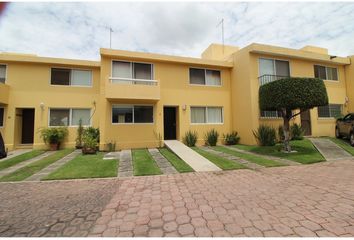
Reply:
x=267 y=78
x=132 y=81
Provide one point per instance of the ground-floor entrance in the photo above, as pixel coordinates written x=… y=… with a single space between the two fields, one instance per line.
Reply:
x=306 y=122
x=27 y=125
x=169 y=123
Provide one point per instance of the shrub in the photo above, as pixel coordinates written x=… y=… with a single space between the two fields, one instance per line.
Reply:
x=190 y=138
x=53 y=135
x=211 y=137
x=90 y=138
x=296 y=131
x=80 y=131
x=281 y=133
x=265 y=135
x=93 y=132
x=231 y=138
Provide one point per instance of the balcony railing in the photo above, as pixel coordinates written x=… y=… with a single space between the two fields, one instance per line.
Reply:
x=267 y=78
x=132 y=81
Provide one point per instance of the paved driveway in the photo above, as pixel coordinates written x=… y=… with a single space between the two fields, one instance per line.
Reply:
x=312 y=200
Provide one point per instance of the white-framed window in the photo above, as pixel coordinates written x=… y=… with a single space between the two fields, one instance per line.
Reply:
x=272 y=69
x=326 y=73
x=270 y=114
x=2 y=114
x=3 y=69
x=132 y=114
x=329 y=111
x=209 y=115
x=71 y=77
x=69 y=116
x=132 y=70
x=208 y=77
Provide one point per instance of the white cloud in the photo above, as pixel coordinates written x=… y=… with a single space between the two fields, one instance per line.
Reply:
x=78 y=30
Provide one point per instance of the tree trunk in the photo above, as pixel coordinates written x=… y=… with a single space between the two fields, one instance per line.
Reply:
x=286 y=128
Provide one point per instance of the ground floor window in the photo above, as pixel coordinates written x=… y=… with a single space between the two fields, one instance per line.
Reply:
x=271 y=114
x=330 y=111
x=1 y=116
x=206 y=115
x=69 y=116
x=132 y=114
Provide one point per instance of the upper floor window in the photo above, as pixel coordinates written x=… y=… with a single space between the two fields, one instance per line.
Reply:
x=271 y=114
x=204 y=77
x=69 y=116
x=326 y=73
x=211 y=115
x=132 y=70
x=271 y=70
x=71 y=77
x=2 y=73
x=132 y=114
x=1 y=116
x=330 y=111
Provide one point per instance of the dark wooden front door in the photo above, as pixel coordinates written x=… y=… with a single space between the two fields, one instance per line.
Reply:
x=169 y=123
x=306 y=122
x=27 y=126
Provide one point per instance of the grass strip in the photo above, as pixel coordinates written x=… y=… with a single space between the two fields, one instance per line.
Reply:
x=180 y=165
x=144 y=164
x=20 y=158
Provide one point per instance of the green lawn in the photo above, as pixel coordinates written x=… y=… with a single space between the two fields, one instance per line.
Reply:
x=86 y=166
x=343 y=144
x=180 y=165
x=306 y=152
x=249 y=157
x=32 y=168
x=20 y=158
x=144 y=164
x=221 y=162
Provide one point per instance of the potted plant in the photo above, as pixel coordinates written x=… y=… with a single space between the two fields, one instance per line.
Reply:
x=90 y=140
x=53 y=136
x=80 y=131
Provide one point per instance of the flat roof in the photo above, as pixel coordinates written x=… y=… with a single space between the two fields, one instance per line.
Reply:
x=123 y=54
x=296 y=53
x=30 y=58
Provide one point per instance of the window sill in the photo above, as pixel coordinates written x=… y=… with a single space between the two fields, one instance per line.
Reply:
x=207 y=123
x=204 y=85
x=81 y=86
x=270 y=118
x=128 y=124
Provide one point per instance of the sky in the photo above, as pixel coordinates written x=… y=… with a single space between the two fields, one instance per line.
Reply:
x=78 y=30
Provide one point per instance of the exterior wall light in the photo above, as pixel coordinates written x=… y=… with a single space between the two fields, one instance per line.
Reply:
x=184 y=107
x=42 y=106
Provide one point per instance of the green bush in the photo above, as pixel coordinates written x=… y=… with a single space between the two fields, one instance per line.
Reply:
x=296 y=132
x=91 y=138
x=92 y=132
x=281 y=133
x=190 y=138
x=211 y=137
x=53 y=135
x=265 y=135
x=80 y=131
x=231 y=138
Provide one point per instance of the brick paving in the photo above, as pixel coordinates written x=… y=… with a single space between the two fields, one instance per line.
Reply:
x=12 y=169
x=248 y=164
x=305 y=200
x=53 y=167
x=165 y=166
x=125 y=168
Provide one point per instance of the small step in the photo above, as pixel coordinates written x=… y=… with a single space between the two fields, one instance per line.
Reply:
x=24 y=146
x=191 y=157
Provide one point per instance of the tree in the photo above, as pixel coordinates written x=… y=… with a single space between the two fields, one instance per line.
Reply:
x=289 y=94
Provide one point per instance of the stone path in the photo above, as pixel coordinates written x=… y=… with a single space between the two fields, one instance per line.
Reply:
x=248 y=164
x=15 y=153
x=53 y=167
x=125 y=164
x=9 y=170
x=165 y=166
x=277 y=159
x=329 y=150
x=191 y=157
x=111 y=156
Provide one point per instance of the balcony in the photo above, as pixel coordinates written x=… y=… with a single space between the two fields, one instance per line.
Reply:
x=267 y=78
x=4 y=93
x=137 y=89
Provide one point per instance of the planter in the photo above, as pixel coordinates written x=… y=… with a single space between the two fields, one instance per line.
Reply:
x=89 y=150
x=54 y=146
x=78 y=147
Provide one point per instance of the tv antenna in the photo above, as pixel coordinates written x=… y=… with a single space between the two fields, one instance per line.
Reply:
x=110 y=37
x=222 y=33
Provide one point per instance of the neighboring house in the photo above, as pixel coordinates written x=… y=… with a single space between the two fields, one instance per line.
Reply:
x=133 y=97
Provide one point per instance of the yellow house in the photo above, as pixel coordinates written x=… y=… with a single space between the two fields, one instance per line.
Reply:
x=139 y=99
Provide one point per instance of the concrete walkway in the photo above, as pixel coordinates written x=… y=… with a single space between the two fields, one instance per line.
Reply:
x=330 y=150
x=248 y=164
x=125 y=164
x=53 y=167
x=192 y=158
x=12 y=169
x=165 y=166
x=15 y=153
x=277 y=159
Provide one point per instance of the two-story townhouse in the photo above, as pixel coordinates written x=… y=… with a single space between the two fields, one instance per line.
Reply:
x=139 y=99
